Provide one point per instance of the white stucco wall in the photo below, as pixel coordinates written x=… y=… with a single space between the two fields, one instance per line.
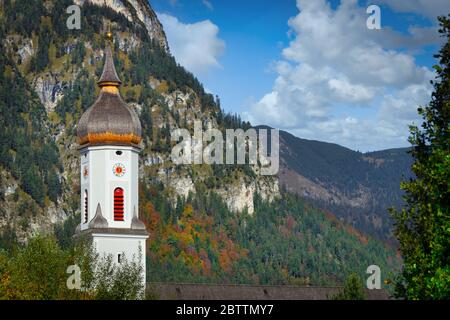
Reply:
x=101 y=182
x=132 y=246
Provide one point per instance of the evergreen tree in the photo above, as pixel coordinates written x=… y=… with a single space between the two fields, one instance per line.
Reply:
x=423 y=226
x=353 y=289
x=33 y=185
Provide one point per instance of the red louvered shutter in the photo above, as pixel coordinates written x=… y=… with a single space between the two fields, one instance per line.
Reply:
x=118 y=204
x=85 y=206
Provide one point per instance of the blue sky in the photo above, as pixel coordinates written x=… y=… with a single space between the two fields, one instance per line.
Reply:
x=254 y=33
x=297 y=65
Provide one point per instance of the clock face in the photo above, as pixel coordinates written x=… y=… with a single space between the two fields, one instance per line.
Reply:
x=119 y=170
x=85 y=172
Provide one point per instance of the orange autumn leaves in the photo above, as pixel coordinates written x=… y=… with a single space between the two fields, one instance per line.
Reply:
x=193 y=240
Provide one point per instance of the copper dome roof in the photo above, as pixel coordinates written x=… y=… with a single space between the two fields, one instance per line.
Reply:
x=109 y=121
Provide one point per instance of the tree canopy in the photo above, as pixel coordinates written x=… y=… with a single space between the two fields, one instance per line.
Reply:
x=423 y=226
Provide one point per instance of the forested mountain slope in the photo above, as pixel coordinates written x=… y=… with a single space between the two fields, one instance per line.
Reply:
x=357 y=187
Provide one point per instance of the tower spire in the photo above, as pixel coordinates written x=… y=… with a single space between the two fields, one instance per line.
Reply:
x=109 y=77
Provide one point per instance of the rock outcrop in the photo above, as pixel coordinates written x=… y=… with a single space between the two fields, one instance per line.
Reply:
x=137 y=11
x=49 y=89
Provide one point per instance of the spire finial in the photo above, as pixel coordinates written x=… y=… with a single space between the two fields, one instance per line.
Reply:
x=109 y=35
x=109 y=78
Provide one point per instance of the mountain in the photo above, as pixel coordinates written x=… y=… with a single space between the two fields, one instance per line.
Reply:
x=209 y=223
x=357 y=187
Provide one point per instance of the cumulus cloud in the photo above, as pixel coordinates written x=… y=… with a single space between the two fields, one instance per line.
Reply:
x=196 y=46
x=416 y=38
x=428 y=8
x=338 y=81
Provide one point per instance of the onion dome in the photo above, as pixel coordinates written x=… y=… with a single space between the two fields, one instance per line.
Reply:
x=109 y=121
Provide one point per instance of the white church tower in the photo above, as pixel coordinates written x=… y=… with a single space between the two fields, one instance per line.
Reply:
x=109 y=133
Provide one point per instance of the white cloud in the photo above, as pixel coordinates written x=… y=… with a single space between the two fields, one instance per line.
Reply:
x=340 y=82
x=417 y=38
x=195 y=46
x=428 y=8
x=208 y=4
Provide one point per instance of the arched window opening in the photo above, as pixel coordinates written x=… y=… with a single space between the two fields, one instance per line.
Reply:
x=85 y=206
x=118 y=205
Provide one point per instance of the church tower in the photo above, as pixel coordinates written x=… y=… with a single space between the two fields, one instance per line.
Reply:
x=109 y=133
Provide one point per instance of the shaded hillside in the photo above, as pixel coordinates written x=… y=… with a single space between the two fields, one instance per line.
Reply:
x=357 y=187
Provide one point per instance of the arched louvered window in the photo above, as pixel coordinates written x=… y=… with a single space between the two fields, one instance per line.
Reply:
x=85 y=206
x=118 y=204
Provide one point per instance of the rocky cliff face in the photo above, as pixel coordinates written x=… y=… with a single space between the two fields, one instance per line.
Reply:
x=136 y=11
x=184 y=109
x=49 y=89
